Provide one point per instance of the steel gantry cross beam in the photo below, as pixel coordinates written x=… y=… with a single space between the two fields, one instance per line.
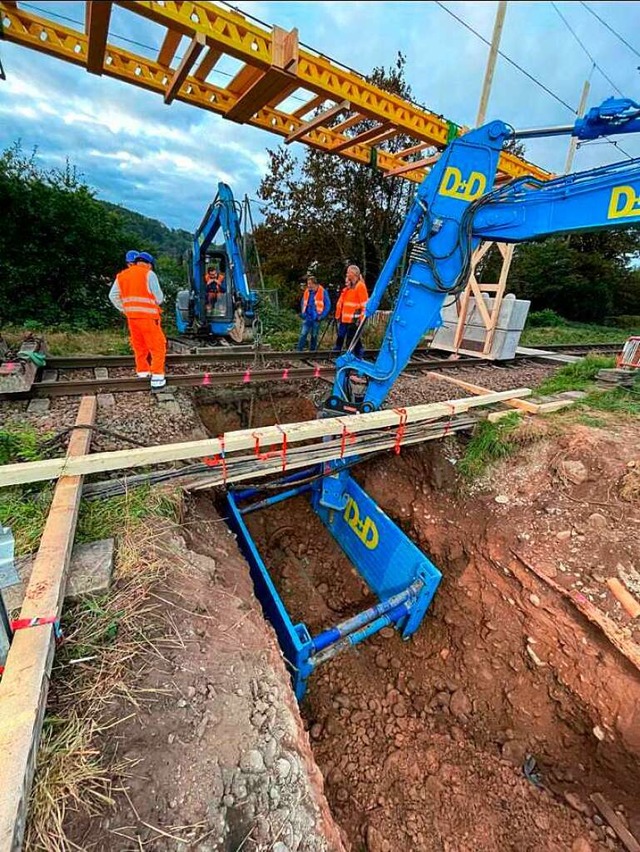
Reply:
x=274 y=67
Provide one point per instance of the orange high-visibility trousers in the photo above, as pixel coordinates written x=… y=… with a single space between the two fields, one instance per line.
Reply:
x=148 y=343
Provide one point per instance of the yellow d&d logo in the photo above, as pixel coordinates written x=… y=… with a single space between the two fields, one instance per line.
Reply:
x=465 y=190
x=623 y=202
x=364 y=528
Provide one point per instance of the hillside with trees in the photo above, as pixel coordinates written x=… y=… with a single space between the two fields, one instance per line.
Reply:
x=60 y=247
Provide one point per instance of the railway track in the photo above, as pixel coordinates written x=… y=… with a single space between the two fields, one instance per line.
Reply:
x=49 y=384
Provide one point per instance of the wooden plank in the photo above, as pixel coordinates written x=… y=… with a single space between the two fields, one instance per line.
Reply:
x=305 y=109
x=414 y=149
x=627 y=647
x=349 y=122
x=24 y=684
x=624 y=835
x=207 y=64
x=98 y=15
x=366 y=136
x=417 y=164
x=197 y=45
x=521 y=404
x=317 y=121
x=244 y=439
x=169 y=46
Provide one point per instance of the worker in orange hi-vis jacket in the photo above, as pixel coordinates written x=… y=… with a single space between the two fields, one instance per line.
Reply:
x=136 y=293
x=350 y=309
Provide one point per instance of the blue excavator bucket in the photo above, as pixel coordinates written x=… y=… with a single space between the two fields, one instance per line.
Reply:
x=401 y=578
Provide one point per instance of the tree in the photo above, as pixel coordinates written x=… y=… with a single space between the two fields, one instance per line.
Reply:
x=60 y=247
x=331 y=210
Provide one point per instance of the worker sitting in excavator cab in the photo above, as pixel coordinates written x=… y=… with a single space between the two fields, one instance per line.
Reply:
x=215 y=284
x=350 y=309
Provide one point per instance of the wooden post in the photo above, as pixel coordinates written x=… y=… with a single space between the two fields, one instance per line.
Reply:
x=573 y=142
x=25 y=682
x=473 y=288
x=491 y=62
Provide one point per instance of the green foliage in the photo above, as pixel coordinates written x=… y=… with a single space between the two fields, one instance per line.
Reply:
x=572 y=333
x=628 y=321
x=490 y=443
x=65 y=339
x=19 y=444
x=577 y=376
x=331 y=212
x=60 y=247
x=545 y=318
x=617 y=401
x=152 y=235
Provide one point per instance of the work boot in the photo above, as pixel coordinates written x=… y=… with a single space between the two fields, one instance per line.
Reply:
x=158 y=381
x=143 y=375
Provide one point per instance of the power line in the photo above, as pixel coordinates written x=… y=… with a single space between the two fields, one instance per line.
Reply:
x=508 y=59
x=596 y=64
x=610 y=28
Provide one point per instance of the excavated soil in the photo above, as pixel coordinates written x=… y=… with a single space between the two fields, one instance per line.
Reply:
x=494 y=724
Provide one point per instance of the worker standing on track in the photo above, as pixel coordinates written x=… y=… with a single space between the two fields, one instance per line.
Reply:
x=315 y=305
x=136 y=293
x=350 y=309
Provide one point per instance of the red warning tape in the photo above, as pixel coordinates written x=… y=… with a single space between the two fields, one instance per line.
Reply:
x=219 y=459
x=282 y=452
x=402 y=425
x=346 y=437
x=447 y=427
x=38 y=621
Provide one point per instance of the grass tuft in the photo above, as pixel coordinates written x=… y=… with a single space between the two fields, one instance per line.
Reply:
x=108 y=642
x=577 y=376
x=489 y=443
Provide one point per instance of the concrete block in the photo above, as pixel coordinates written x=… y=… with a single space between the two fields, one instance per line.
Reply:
x=511 y=321
x=165 y=395
x=89 y=573
x=49 y=376
x=38 y=406
x=101 y=373
x=106 y=400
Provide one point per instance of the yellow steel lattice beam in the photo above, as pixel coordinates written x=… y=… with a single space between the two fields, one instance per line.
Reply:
x=260 y=81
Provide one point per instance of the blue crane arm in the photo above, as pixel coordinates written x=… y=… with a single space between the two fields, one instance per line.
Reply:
x=222 y=216
x=452 y=212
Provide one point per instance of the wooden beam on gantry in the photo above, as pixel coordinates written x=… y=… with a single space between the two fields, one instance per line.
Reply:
x=414 y=149
x=273 y=82
x=197 y=45
x=207 y=64
x=348 y=123
x=25 y=681
x=97 y=17
x=317 y=121
x=417 y=164
x=367 y=136
x=305 y=109
x=169 y=46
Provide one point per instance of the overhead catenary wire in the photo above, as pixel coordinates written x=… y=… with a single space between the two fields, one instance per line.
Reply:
x=508 y=59
x=610 y=28
x=595 y=62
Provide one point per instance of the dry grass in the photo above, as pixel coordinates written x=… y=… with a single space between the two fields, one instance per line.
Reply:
x=109 y=641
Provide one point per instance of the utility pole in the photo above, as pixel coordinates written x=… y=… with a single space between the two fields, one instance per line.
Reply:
x=573 y=142
x=491 y=62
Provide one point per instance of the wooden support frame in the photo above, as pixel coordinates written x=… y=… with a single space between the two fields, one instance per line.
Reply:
x=365 y=136
x=244 y=439
x=24 y=684
x=169 y=46
x=475 y=289
x=417 y=164
x=97 y=18
x=197 y=45
x=317 y=121
x=207 y=64
x=269 y=85
x=310 y=106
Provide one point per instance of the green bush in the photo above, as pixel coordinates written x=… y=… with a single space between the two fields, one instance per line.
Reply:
x=629 y=321
x=545 y=319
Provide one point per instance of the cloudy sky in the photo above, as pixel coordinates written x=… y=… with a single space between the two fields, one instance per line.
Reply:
x=165 y=161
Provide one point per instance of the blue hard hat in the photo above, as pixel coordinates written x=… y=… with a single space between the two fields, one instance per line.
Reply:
x=131 y=256
x=148 y=258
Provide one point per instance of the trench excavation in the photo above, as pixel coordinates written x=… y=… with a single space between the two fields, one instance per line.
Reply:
x=485 y=730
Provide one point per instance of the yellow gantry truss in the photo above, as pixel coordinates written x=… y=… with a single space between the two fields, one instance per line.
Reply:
x=273 y=68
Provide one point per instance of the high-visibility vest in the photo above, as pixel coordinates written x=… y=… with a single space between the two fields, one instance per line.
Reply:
x=137 y=301
x=353 y=299
x=318 y=298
